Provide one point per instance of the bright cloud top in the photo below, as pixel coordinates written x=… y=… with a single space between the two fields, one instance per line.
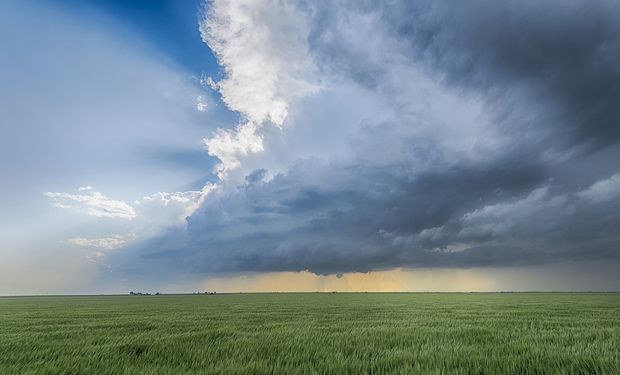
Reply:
x=260 y=81
x=266 y=69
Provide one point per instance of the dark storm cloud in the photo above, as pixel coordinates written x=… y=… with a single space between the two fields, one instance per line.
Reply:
x=331 y=219
x=548 y=76
x=558 y=59
x=561 y=57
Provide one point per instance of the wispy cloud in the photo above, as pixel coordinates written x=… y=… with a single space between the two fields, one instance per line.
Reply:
x=104 y=243
x=92 y=203
x=201 y=104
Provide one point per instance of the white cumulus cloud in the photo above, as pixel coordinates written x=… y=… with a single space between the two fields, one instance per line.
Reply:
x=231 y=145
x=262 y=47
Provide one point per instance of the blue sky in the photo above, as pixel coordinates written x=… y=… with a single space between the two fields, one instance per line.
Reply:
x=93 y=95
x=170 y=27
x=246 y=145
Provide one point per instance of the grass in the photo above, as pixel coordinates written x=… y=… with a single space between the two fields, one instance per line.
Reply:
x=533 y=333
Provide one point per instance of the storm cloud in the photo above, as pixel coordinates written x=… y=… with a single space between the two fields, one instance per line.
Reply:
x=492 y=141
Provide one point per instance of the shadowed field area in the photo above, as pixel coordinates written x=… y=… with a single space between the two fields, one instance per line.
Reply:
x=526 y=333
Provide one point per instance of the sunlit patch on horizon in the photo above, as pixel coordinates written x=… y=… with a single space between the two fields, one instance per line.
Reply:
x=397 y=280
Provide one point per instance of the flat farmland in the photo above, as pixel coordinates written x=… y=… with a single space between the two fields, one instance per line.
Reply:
x=312 y=333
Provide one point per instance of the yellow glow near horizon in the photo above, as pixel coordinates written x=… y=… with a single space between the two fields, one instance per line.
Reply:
x=380 y=281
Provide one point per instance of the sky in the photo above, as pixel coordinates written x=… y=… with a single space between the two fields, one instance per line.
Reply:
x=275 y=145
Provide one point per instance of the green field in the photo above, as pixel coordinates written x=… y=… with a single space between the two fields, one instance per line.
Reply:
x=534 y=333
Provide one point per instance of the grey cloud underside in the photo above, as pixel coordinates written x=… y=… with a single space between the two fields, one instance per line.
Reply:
x=330 y=219
x=341 y=218
x=548 y=76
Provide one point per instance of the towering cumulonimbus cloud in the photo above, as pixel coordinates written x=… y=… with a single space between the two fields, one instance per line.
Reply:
x=492 y=138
